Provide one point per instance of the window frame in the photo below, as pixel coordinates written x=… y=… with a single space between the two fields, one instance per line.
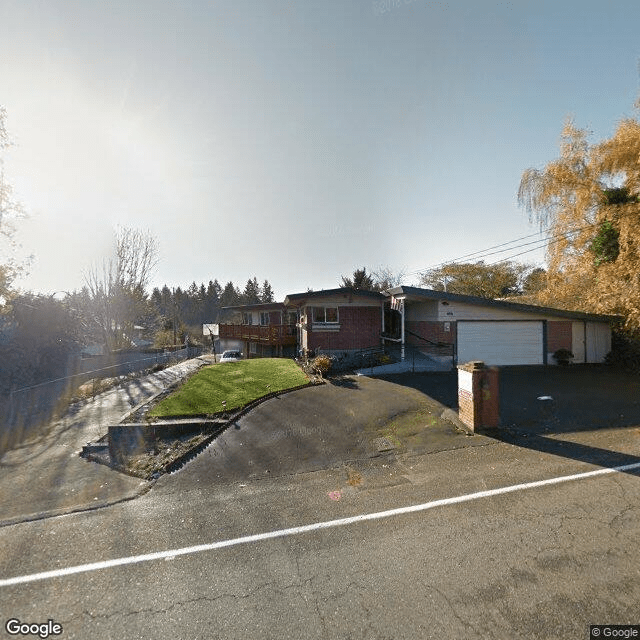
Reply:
x=315 y=316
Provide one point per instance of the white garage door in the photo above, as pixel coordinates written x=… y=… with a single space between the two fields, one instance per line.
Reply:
x=501 y=343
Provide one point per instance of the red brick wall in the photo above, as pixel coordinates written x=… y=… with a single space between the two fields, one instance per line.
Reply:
x=360 y=328
x=433 y=331
x=558 y=335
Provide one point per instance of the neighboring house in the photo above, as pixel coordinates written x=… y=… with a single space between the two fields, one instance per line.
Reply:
x=496 y=331
x=259 y=330
x=338 y=321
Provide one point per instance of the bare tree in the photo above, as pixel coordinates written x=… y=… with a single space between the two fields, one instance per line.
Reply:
x=118 y=286
x=384 y=278
x=10 y=211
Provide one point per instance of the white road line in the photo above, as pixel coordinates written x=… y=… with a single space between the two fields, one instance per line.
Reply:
x=281 y=533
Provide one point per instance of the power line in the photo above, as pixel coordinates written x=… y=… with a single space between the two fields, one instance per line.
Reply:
x=489 y=251
x=553 y=240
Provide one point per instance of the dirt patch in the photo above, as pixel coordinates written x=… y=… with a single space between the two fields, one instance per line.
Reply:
x=167 y=452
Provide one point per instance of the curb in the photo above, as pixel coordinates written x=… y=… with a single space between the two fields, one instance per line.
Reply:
x=65 y=511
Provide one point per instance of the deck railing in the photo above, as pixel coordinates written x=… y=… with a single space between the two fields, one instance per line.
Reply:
x=269 y=334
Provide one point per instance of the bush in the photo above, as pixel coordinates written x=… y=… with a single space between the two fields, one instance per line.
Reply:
x=625 y=352
x=321 y=365
x=563 y=356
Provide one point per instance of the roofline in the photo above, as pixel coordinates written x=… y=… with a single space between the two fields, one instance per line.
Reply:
x=323 y=293
x=432 y=294
x=276 y=306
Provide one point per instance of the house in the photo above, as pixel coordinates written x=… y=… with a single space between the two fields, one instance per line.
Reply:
x=341 y=322
x=433 y=329
x=259 y=330
x=497 y=332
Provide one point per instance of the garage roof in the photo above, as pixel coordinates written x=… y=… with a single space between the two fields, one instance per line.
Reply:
x=415 y=294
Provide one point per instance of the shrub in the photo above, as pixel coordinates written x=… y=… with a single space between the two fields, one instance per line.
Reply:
x=563 y=356
x=321 y=365
x=625 y=352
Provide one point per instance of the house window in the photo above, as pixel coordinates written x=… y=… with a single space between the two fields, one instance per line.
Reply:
x=264 y=318
x=325 y=315
x=293 y=317
x=253 y=347
x=247 y=318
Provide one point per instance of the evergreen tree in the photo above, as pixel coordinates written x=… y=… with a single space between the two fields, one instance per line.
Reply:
x=360 y=280
x=266 y=292
x=251 y=293
x=230 y=295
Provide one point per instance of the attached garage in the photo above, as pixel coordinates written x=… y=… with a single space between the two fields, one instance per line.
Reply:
x=497 y=332
x=499 y=343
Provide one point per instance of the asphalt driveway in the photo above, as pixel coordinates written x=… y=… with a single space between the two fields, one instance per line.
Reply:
x=576 y=398
x=319 y=428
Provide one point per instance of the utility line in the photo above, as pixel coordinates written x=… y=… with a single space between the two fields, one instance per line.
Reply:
x=489 y=251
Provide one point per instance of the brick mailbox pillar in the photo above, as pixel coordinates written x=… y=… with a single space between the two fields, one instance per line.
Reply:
x=478 y=399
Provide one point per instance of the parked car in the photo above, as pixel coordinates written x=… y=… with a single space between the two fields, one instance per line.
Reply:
x=230 y=356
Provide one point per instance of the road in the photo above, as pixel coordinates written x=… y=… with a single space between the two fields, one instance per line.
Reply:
x=537 y=562
x=289 y=526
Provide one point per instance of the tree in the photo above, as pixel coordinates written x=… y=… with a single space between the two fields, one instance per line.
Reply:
x=230 y=295
x=589 y=199
x=384 y=279
x=47 y=331
x=267 y=292
x=360 y=280
x=535 y=281
x=10 y=211
x=251 y=293
x=118 y=287
x=477 y=279
x=212 y=304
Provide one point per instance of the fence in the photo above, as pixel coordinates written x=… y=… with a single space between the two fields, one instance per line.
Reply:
x=24 y=410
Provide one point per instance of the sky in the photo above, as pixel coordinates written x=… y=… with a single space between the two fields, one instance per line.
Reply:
x=295 y=141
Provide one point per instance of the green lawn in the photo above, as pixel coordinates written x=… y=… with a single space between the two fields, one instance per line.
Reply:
x=236 y=383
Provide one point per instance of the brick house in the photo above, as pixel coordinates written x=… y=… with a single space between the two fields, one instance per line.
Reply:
x=439 y=328
x=338 y=321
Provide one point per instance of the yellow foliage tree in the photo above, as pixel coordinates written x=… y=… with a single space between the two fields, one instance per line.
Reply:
x=589 y=200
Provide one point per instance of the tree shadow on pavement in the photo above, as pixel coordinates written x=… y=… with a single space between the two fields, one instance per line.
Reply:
x=569 y=449
x=346 y=382
x=441 y=386
x=539 y=404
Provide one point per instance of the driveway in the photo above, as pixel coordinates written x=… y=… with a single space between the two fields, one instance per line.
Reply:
x=337 y=424
x=318 y=428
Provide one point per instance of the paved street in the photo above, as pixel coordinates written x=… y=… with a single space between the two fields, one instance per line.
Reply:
x=534 y=562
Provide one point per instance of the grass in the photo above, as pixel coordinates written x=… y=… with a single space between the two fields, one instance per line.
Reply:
x=408 y=428
x=233 y=383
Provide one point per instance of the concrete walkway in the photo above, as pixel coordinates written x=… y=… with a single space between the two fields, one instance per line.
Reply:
x=45 y=476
